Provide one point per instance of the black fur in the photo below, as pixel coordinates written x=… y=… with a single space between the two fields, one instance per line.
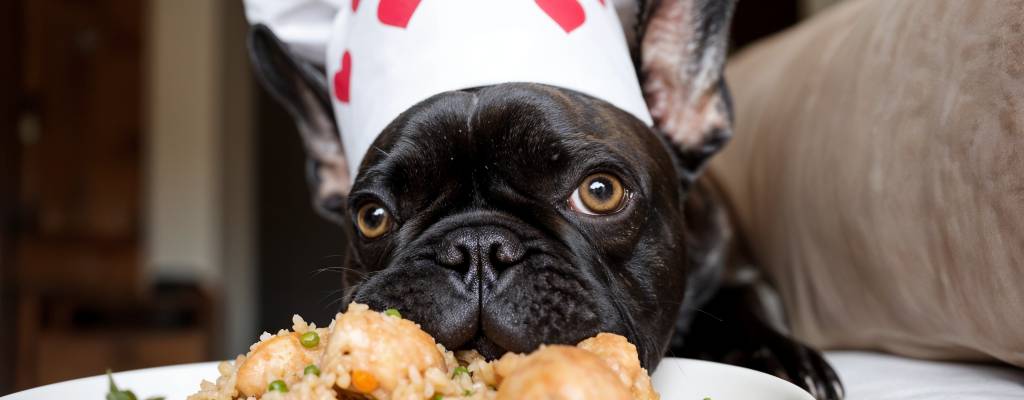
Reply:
x=486 y=253
x=507 y=158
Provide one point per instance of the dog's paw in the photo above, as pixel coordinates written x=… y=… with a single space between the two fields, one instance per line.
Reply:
x=732 y=328
x=795 y=362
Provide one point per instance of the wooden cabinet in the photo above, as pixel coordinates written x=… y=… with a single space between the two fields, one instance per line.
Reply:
x=72 y=217
x=80 y=121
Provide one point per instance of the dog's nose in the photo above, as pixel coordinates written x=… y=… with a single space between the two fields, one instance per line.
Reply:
x=467 y=248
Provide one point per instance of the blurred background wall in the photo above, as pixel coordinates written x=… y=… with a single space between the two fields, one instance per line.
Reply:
x=153 y=208
x=199 y=156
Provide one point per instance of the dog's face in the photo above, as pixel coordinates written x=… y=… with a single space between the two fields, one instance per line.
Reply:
x=508 y=216
x=514 y=215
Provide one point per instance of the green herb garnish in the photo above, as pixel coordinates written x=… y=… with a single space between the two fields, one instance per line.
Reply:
x=118 y=394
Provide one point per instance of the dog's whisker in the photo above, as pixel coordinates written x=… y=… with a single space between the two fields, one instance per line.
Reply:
x=339 y=300
x=340 y=269
x=322 y=270
x=697 y=309
x=335 y=304
x=350 y=292
x=330 y=294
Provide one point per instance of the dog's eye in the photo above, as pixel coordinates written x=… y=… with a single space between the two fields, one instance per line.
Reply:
x=599 y=193
x=373 y=220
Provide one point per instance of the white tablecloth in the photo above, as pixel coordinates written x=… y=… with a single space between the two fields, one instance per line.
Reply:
x=872 y=376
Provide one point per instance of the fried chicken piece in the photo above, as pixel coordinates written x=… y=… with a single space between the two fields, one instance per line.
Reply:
x=621 y=356
x=558 y=373
x=278 y=357
x=372 y=353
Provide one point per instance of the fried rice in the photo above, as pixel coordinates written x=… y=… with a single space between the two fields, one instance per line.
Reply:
x=365 y=354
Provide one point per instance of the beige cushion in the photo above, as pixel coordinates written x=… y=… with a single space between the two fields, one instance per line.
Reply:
x=877 y=173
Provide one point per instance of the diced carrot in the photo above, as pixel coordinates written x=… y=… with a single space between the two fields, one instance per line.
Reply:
x=364 y=382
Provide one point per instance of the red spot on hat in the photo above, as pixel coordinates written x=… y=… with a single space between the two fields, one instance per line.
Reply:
x=396 y=12
x=568 y=14
x=343 y=78
x=355 y=5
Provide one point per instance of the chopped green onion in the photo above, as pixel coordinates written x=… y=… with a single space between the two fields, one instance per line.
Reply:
x=467 y=392
x=437 y=397
x=311 y=370
x=309 y=339
x=459 y=371
x=393 y=312
x=277 y=386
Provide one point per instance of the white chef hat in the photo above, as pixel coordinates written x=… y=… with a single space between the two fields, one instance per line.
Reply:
x=383 y=56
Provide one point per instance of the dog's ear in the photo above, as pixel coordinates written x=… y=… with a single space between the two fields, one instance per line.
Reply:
x=302 y=90
x=682 y=50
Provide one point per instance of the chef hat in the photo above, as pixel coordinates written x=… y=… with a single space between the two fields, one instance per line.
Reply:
x=384 y=56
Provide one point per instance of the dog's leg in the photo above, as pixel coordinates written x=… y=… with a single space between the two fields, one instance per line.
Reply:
x=724 y=318
x=735 y=327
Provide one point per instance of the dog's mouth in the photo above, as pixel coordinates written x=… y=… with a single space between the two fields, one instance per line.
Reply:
x=489 y=287
x=485 y=346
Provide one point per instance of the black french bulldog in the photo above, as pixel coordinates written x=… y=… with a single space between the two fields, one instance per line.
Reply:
x=507 y=216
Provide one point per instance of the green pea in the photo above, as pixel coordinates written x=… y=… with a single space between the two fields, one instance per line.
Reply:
x=311 y=370
x=393 y=312
x=459 y=371
x=309 y=339
x=277 y=386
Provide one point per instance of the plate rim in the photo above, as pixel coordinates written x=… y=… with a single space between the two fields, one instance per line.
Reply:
x=213 y=366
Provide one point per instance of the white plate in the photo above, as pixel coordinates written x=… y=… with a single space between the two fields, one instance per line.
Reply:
x=675 y=379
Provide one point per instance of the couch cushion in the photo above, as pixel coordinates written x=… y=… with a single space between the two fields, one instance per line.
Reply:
x=877 y=174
